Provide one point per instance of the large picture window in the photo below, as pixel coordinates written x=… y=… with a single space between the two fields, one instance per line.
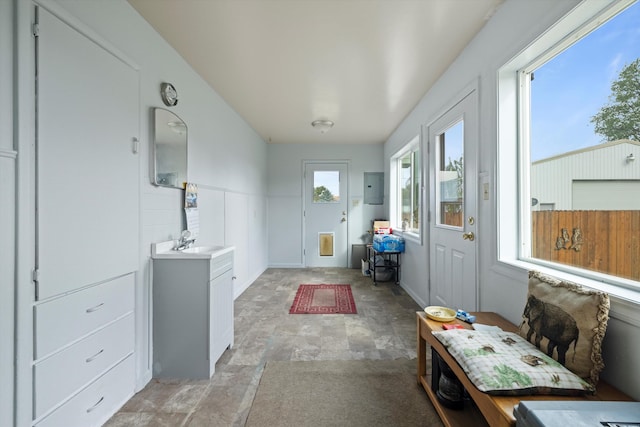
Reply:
x=576 y=117
x=406 y=188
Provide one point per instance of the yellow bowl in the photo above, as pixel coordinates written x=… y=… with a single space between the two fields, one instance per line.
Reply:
x=441 y=314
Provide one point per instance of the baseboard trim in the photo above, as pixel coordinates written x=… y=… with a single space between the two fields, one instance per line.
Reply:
x=286 y=266
x=239 y=291
x=413 y=295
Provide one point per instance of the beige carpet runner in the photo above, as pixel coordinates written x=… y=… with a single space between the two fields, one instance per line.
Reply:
x=341 y=393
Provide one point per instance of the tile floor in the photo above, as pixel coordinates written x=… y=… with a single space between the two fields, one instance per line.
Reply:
x=384 y=328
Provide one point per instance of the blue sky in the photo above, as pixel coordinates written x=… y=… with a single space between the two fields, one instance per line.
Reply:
x=568 y=90
x=453 y=142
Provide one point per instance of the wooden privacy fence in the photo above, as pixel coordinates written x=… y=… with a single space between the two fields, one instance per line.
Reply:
x=603 y=241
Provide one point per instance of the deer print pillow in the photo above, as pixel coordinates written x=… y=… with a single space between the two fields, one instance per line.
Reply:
x=567 y=322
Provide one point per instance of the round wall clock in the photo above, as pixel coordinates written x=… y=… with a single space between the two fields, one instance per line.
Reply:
x=169 y=94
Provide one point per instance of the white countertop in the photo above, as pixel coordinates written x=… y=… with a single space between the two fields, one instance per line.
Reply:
x=164 y=250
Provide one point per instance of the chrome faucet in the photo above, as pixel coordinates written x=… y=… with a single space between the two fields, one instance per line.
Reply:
x=184 y=242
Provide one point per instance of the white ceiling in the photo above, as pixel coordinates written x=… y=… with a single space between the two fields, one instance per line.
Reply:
x=281 y=64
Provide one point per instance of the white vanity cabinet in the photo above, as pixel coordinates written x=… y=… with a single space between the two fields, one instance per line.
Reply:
x=192 y=313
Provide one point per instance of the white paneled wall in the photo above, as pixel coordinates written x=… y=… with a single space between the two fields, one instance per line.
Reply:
x=211 y=208
x=7 y=216
x=226 y=157
x=257 y=238
x=285 y=195
x=7 y=264
x=503 y=288
x=161 y=216
x=236 y=233
x=284 y=223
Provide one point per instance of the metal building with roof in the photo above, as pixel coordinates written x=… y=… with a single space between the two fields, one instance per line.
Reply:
x=601 y=177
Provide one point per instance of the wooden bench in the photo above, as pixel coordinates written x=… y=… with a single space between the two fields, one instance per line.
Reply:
x=494 y=411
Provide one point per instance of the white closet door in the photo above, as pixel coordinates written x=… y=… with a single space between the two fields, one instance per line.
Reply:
x=87 y=172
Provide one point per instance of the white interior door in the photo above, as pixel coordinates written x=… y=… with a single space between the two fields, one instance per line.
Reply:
x=452 y=171
x=88 y=173
x=325 y=214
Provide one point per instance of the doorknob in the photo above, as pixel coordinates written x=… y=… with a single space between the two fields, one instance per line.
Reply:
x=343 y=220
x=469 y=236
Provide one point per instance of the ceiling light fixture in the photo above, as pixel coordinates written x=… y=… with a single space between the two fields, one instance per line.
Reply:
x=322 y=125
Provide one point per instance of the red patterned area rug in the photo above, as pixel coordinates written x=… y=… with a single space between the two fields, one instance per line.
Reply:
x=323 y=299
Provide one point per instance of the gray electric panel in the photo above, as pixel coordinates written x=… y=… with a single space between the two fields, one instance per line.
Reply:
x=374 y=188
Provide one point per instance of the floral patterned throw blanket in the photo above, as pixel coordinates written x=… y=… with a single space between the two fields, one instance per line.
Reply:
x=504 y=363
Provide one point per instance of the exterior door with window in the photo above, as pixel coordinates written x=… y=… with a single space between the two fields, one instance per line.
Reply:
x=452 y=159
x=325 y=214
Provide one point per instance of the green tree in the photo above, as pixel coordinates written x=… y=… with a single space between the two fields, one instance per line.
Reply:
x=458 y=167
x=620 y=117
x=322 y=194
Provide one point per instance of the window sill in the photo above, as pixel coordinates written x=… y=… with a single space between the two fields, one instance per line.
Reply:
x=408 y=236
x=625 y=299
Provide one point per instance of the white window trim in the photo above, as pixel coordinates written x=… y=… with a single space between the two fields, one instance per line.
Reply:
x=512 y=187
x=413 y=144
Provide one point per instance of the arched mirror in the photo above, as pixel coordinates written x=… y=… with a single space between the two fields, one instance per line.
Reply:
x=169 y=149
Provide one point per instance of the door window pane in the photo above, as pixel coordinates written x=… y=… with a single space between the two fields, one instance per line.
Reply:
x=326 y=186
x=450 y=185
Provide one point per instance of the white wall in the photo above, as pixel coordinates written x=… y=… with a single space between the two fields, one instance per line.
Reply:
x=7 y=215
x=503 y=288
x=227 y=159
x=284 y=213
x=226 y=156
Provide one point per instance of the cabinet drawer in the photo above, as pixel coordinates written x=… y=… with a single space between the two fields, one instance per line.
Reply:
x=220 y=264
x=94 y=405
x=59 y=376
x=63 y=320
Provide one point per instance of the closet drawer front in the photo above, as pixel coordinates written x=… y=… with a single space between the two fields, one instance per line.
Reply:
x=59 y=376
x=63 y=320
x=94 y=405
x=220 y=264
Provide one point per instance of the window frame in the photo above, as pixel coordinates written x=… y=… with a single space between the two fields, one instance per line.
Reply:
x=513 y=171
x=395 y=197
